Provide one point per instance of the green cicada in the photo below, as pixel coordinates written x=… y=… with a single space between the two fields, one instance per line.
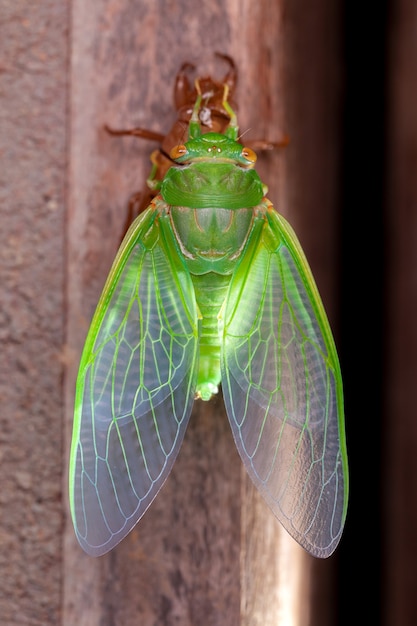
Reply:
x=209 y=286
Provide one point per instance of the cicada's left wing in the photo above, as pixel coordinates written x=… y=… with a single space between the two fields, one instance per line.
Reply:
x=282 y=388
x=135 y=387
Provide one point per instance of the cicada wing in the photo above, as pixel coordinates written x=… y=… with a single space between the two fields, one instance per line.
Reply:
x=282 y=388
x=135 y=387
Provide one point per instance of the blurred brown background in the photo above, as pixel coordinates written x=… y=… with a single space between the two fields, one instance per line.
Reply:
x=342 y=82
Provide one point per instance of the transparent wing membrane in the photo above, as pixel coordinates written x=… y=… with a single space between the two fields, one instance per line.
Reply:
x=282 y=389
x=135 y=390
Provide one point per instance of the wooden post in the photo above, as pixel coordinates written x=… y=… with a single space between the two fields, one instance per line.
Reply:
x=208 y=551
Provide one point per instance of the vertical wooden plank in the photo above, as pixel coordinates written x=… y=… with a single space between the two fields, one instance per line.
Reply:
x=274 y=569
x=400 y=441
x=314 y=75
x=33 y=91
x=182 y=561
x=199 y=555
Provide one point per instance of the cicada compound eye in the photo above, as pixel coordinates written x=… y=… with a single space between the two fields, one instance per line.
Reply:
x=249 y=155
x=178 y=151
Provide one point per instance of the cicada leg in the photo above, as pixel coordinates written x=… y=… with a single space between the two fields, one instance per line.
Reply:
x=182 y=90
x=135 y=132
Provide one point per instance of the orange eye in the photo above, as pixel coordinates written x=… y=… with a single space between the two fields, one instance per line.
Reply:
x=249 y=155
x=178 y=152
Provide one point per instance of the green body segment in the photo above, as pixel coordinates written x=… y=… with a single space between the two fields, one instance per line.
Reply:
x=210 y=286
x=210 y=236
x=211 y=241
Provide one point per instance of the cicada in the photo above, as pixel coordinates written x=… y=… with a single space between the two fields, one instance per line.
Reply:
x=210 y=287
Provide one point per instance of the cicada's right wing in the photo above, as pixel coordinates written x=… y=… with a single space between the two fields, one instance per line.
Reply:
x=283 y=389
